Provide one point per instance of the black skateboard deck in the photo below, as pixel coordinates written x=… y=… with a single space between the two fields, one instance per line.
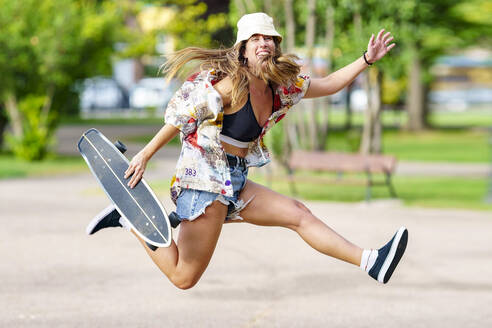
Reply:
x=139 y=205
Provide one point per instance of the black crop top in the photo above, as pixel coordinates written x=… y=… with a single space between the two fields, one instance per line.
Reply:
x=242 y=125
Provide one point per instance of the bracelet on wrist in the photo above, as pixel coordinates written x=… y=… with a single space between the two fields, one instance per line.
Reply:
x=365 y=59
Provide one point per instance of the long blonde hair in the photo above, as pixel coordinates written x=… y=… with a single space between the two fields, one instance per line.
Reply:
x=278 y=69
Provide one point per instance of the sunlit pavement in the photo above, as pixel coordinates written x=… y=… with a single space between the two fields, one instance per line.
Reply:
x=53 y=275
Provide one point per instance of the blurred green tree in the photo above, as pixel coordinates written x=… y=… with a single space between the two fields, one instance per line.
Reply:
x=195 y=27
x=428 y=29
x=187 y=22
x=46 y=46
x=423 y=30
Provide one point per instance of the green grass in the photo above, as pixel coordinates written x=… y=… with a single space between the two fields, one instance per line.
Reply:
x=439 y=192
x=439 y=145
x=75 y=120
x=455 y=137
x=389 y=118
x=144 y=139
x=438 y=118
x=11 y=167
x=443 y=145
x=472 y=118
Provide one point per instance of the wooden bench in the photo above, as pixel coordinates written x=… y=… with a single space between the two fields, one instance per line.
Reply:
x=344 y=163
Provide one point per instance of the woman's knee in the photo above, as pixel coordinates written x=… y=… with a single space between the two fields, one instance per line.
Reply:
x=187 y=284
x=302 y=207
x=196 y=243
x=301 y=215
x=184 y=281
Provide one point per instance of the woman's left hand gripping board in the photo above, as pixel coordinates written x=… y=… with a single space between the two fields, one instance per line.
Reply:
x=136 y=169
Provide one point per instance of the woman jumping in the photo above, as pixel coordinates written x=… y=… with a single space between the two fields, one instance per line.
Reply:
x=222 y=114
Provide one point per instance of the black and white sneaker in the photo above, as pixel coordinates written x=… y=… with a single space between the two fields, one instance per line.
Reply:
x=109 y=217
x=389 y=255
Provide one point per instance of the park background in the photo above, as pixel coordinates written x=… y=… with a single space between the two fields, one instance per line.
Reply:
x=71 y=65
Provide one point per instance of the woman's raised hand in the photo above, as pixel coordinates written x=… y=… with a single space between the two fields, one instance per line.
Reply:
x=136 y=169
x=378 y=47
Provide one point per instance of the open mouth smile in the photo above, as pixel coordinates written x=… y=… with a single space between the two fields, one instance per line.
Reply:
x=263 y=53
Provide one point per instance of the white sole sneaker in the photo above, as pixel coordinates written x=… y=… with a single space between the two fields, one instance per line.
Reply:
x=109 y=217
x=389 y=256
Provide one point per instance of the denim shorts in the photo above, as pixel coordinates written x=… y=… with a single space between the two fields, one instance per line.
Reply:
x=191 y=203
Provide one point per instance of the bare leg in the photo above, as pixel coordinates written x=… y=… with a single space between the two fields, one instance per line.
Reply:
x=184 y=263
x=269 y=208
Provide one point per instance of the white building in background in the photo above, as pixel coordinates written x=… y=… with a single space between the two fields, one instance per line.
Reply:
x=129 y=91
x=462 y=81
x=128 y=72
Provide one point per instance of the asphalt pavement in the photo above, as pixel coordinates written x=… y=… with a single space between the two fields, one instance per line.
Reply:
x=54 y=275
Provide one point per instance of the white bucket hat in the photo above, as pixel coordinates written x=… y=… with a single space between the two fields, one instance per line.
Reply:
x=257 y=23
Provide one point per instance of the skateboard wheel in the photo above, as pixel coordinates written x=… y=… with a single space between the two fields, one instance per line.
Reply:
x=121 y=147
x=152 y=247
x=174 y=219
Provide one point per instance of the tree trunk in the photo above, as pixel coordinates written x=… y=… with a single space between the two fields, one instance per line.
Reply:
x=251 y=6
x=371 y=82
x=3 y=125
x=357 y=19
x=267 y=7
x=132 y=23
x=240 y=7
x=371 y=135
x=376 y=140
x=312 y=124
x=365 y=144
x=425 y=104
x=14 y=114
x=45 y=111
x=415 y=96
x=290 y=26
x=348 y=108
x=289 y=120
x=325 y=106
x=329 y=35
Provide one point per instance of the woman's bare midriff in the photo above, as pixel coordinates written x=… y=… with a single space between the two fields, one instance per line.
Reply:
x=233 y=150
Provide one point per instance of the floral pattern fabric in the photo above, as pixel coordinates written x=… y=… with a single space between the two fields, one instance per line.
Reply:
x=197 y=111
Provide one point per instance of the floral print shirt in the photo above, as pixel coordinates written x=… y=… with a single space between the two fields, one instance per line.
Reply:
x=197 y=111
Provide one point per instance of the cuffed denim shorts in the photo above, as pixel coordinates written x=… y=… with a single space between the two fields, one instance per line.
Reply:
x=191 y=203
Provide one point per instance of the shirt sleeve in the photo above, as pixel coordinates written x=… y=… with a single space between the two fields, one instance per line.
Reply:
x=295 y=92
x=178 y=115
x=189 y=106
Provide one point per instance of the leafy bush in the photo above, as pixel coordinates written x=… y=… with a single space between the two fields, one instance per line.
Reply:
x=37 y=129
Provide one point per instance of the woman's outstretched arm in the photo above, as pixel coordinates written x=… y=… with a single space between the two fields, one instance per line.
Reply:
x=139 y=162
x=377 y=48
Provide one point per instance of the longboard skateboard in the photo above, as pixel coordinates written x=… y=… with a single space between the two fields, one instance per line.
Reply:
x=139 y=205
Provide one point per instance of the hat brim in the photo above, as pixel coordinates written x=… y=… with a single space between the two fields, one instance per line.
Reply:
x=247 y=34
